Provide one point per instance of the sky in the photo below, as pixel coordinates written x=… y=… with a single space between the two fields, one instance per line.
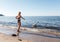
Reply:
x=30 y=7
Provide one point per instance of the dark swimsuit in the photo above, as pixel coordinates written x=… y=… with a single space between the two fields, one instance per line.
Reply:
x=18 y=19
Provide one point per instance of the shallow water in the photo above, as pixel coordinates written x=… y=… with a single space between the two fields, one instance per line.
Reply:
x=10 y=31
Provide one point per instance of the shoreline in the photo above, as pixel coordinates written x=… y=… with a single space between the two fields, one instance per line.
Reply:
x=48 y=31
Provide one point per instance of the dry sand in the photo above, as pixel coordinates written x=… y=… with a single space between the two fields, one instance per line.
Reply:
x=7 y=38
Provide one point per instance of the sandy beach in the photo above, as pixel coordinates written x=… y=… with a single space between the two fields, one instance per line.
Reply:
x=28 y=35
x=6 y=38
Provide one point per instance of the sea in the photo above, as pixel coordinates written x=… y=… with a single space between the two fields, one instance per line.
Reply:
x=50 y=22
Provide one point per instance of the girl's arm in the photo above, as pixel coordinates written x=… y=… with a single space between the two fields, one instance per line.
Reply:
x=22 y=18
x=17 y=17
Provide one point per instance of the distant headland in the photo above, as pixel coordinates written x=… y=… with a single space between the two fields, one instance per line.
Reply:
x=1 y=15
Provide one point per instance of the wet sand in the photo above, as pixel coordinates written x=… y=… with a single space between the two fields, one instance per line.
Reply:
x=28 y=35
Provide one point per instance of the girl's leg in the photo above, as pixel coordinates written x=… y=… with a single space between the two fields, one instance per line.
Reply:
x=19 y=24
x=18 y=31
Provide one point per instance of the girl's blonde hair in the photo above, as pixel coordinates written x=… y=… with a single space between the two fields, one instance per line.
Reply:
x=19 y=13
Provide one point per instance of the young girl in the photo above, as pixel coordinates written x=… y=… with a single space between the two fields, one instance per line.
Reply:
x=18 y=17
